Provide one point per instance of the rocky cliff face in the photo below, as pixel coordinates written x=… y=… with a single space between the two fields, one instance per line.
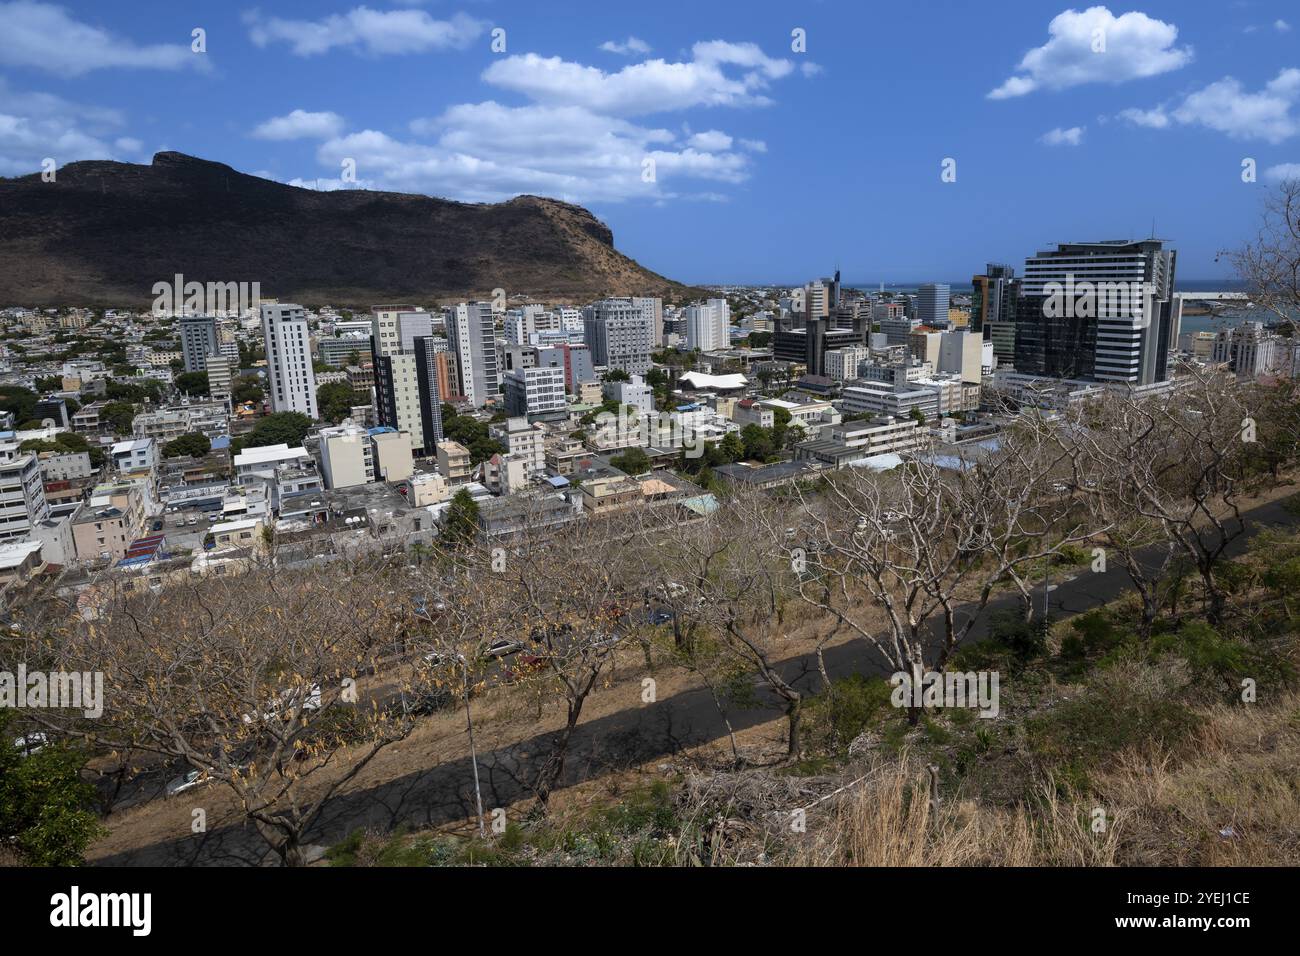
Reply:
x=104 y=232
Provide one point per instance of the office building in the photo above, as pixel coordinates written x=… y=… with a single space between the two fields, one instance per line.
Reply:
x=1102 y=311
x=932 y=304
x=994 y=299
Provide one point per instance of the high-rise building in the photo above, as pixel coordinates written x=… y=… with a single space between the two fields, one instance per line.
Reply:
x=292 y=384
x=708 y=325
x=471 y=337
x=994 y=299
x=1098 y=311
x=395 y=330
x=653 y=307
x=620 y=334
x=431 y=376
x=932 y=304
x=199 y=339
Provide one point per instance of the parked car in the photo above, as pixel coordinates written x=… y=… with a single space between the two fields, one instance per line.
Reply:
x=503 y=648
x=158 y=524
x=185 y=781
x=30 y=743
x=660 y=617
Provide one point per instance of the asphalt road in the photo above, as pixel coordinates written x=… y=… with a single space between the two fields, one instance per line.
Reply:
x=444 y=792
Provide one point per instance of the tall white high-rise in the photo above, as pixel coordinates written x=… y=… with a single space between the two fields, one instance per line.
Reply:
x=292 y=384
x=707 y=325
x=471 y=336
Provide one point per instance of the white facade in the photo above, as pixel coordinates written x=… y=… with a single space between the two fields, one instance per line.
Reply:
x=291 y=382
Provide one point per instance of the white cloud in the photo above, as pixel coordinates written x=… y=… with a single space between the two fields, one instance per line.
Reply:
x=1282 y=171
x=486 y=152
x=300 y=124
x=372 y=32
x=652 y=86
x=1281 y=26
x=630 y=47
x=36 y=125
x=710 y=141
x=1135 y=46
x=44 y=36
x=1155 y=118
x=578 y=136
x=1063 y=137
x=1228 y=107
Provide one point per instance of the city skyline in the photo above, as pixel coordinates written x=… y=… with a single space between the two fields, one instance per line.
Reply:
x=783 y=140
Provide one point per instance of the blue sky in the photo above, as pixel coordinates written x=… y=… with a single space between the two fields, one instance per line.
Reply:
x=771 y=164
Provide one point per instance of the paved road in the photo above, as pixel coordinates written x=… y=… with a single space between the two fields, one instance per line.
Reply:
x=444 y=792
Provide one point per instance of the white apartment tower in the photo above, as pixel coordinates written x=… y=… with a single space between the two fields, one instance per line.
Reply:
x=620 y=334
x=471 y=337
x=292 y=384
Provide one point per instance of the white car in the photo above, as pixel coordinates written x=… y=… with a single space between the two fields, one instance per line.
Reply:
x=185 y=781
x=273 y=711
x=31 y=743
x=503 y=648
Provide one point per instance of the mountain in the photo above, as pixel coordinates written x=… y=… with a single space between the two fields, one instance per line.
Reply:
x=104 y=232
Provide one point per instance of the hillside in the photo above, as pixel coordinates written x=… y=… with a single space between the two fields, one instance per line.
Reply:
x=104 y=232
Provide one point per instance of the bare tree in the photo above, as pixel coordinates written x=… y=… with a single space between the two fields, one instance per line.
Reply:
x=1174 y=461
x=907 y=559
x=1270 y=264
x=259 y=681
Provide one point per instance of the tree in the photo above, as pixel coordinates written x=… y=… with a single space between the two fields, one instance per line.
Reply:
x=335 y=401
x=247 y=388
x=46 y=809
x=119 y=416
x=893 y=556
x=273 y=685
x=461 y=523
x=192 y=444
x=1178 y=464
x=193 y=383
x=18 y=400
x=289 y=428
x=1270 y=263
x=634 y=461
x=617 y=375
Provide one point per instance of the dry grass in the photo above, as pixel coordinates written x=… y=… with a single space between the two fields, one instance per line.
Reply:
x=1233 y=799
x=891 y=822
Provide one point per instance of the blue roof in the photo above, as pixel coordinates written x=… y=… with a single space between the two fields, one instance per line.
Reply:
x=381 y=430
x=558 y=481
x=221 y=441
